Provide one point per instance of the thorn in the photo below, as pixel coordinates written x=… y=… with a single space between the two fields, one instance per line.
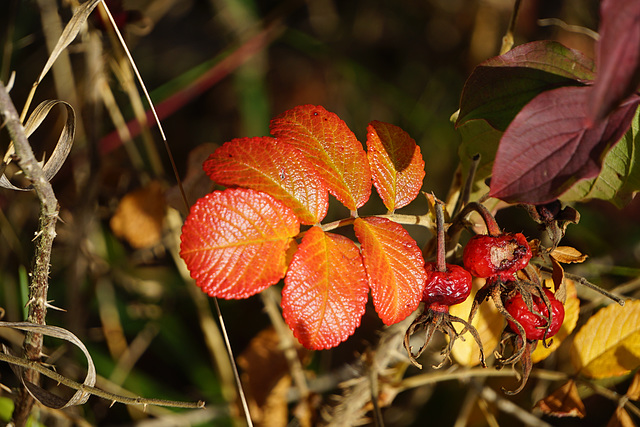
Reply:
x=113 y=402
x=31 y=301
x=53 y=307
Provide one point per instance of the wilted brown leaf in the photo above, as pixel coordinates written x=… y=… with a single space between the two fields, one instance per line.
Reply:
x=568 y=255
x=564 y=402
x=633 y=392
x=139 y=216
x=621 y=418
x=266 y=374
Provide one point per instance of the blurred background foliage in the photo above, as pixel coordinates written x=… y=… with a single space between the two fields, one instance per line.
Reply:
x=217 y=70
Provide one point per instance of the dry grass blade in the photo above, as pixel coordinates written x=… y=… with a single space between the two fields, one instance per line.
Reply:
x=69 y=34
x=80 y=397
x=62 y=148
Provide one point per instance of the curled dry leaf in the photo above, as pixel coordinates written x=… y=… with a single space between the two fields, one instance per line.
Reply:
x=564 y=402
x=568 y=255
x=62 y=148
x=42 y=395
x=608 y=345
x=633 y=392
x=139 y=216
x=621 y=418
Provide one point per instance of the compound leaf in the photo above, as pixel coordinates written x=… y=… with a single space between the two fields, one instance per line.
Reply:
x=331 y=147
x=548 y=147
x=501 y=86
x=397 y=167
x=608 y=344
x=394 y=266
x=273 y=167
x=325 y=290
x=234 y=242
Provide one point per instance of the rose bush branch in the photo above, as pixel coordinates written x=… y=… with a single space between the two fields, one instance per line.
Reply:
x=39 y=278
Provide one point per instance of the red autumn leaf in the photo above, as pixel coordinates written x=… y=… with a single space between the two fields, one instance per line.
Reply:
x=394 y=265
x=325 y=290
x=397 y=167
x=332 y=148
x=234 y=242
x=273 y=167
x=548 y=147
x=618 y=57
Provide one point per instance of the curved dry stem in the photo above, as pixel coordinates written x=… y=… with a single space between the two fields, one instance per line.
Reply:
x=495 y=294
x=474 y=333
x=527 y=365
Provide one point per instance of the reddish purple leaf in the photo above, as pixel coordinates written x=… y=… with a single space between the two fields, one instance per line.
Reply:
x=548 y=147
x=618 y=57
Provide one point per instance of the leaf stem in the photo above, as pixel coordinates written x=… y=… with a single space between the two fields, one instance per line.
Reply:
x=441 y=252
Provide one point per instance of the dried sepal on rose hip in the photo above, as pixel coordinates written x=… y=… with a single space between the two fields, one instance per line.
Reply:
x=530 y=318
x=445 y=285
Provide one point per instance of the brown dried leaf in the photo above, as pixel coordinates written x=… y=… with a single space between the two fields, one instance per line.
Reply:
x=621 y=418
x=633 y=392
x=564 y=402
x=266 y=374
x=568 y=255
x=139 y=216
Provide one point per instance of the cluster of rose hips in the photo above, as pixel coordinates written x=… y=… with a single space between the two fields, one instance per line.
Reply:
x=532 y=312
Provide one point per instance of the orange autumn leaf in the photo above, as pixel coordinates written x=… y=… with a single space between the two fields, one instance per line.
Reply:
x=234 y=242
x=608 y=344
x=394 y=266
x=328 y=143
x=139 y=216
x=564 y=402
x=397 y=167
x=274 y=167
x=325 y=290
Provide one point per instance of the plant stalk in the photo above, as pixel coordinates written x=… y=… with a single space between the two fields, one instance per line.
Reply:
x=39 y=277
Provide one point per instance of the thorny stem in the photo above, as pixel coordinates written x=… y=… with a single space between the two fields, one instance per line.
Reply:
x=39 y=283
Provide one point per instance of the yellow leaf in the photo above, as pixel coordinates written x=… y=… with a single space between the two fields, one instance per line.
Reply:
x=487 y=321
x=571 y=312
x=608 y=344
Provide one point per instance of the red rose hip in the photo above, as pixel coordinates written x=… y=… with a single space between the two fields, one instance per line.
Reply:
x=534 y=324
x=496 y=256
x=445 y=288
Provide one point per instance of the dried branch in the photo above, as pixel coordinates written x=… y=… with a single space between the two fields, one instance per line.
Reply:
x=39 y=279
